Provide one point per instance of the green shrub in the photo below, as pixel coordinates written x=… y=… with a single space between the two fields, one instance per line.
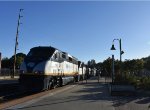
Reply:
x=137 y=81
x=145 y=83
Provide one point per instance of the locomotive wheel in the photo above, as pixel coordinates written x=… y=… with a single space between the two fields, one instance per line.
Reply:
x=60 y=81
x=50 y=86
x=54 y=82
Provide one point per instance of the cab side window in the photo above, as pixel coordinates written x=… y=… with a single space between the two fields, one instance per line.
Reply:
x=63 y=56
x=55 y=56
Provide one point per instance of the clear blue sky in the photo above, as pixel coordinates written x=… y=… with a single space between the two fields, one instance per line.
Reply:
x=83 y=29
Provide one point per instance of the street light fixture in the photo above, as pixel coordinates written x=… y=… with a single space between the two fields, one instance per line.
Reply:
x=121 y=51
x=113 y=47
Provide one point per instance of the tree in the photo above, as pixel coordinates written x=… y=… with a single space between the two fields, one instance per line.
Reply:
x=91 y=63
x=19 y=59
x=8 y=63
x=147 y=64
x=98 y=65
x=106 y=67
x=133 y=66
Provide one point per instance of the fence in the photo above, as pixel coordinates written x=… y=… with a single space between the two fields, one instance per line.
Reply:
x=8 y=72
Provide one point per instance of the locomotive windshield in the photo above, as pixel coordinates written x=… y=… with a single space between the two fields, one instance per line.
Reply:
x=40 y=53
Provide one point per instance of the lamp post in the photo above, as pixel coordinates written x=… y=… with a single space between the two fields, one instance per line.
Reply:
x=121 y=52
x=113 y=70
x=113 y=48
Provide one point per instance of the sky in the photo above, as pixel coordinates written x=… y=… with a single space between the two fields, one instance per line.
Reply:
x=84 y=29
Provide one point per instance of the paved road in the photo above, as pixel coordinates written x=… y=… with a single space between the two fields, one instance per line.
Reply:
x=90 y=96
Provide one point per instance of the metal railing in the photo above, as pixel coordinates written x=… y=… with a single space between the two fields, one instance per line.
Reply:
x=7 y=73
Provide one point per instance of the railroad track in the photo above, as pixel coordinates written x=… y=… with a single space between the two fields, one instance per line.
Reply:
x=14 y=95
x=12 y=91
x=13 y=99
x=6 y=96
x=20 y=96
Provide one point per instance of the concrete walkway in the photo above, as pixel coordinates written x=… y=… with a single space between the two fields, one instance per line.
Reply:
x=86 y=96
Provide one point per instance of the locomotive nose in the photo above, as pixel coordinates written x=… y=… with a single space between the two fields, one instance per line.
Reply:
x=30 y=64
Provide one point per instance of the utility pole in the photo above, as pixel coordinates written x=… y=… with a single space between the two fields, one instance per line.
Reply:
x=16 y=43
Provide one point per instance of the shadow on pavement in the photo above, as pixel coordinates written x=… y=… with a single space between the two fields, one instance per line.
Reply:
x=92 y=91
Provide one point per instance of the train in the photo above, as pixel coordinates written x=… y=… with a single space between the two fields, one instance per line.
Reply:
x=46 y=67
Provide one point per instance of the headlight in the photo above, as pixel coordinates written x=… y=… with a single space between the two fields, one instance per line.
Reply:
x=41 y=72
x=38 y=72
